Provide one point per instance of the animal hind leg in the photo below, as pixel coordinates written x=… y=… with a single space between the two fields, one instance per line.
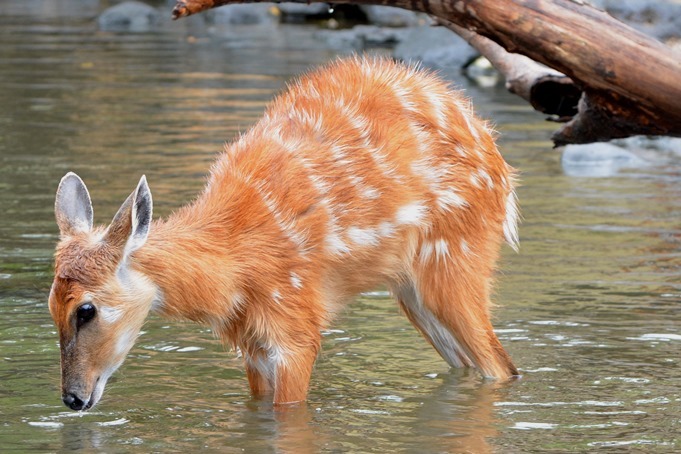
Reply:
x=429 y=326
x=456 y=293
x=293 y=375
x=258 y=381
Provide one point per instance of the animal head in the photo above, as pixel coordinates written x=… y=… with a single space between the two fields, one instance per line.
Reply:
x=98 y=301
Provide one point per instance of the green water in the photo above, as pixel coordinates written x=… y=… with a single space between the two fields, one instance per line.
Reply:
x=590 y=309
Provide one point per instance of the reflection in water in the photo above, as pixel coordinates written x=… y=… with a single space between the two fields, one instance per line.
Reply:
x=294 y=432
x=471 y=423
x=589 y=309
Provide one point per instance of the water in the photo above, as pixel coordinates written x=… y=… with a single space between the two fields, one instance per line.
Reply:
x=589 y=309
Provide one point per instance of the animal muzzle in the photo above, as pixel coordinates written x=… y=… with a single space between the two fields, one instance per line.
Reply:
x=76 y=399
x=75 y=403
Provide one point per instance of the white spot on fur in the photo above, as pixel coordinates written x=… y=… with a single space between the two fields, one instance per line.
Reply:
x=362 y=125
x=313 y=120
x=511 y=221
x=296 y=282
x=474 y=179
x=263 y=365
x=438 y=107
x=284 y=220
x=461 y=151
x=441 y=249
x=138 y=289
x=335 y=244
x=101 y=383
x=238 y=301
x=268 y=361
x=426 y=251
x=363 y=236
x=468 y=118
x=110 y=314
x=386 y=229
x=450 y=198
x=423 y=138
x=277 y=354
x=125 y=341
x=487 y=178
x=465 y=248
x=411 y=214
x=322 y=186
x=437 y=180
x=441 y=337
x=276 y=296
x=370 y=193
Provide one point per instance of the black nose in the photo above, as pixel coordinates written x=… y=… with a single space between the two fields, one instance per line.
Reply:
x=73 y=402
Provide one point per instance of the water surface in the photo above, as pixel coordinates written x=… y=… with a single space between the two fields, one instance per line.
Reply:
x=589 y=308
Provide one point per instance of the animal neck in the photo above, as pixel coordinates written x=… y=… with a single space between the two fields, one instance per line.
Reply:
x=180 y=257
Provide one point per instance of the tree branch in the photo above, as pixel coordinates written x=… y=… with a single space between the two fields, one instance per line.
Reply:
x=631 y=83
x=547 y=90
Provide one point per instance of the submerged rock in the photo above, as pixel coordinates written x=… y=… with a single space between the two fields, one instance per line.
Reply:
x=129 y=16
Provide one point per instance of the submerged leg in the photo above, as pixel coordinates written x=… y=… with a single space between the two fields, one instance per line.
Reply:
x=293 y=375
x=256 y=371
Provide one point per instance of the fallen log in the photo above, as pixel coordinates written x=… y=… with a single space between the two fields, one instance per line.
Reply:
x=547 y=90
x=630 y=83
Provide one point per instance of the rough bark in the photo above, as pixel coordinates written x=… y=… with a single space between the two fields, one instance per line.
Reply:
x=547 y=90
x=630 y=83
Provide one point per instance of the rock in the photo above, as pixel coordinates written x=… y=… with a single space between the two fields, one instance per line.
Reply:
x=303 y=10
x=128 y=16
x=238 y=14
x=600 y=159
x=361 y=37
x=388 y=16
x=347 y=40
x=661 y=19
x=654 y=144
x=435 y=47
x=380 y=36
x=483 y=73
x=609 y=158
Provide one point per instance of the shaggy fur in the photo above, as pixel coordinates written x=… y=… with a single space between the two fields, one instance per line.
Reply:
x=365 y=172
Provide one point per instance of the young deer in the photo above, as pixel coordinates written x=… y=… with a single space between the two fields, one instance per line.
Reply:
x=365 y=172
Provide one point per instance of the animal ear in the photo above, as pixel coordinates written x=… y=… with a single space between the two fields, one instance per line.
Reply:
x=142 y=211
x=130 y=225
x=73 y=207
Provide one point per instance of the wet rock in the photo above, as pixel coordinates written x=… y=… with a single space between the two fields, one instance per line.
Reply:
x=435 y=47
x=361 y=37
x=657 y=145
x=248 y=14
x=601 y=159
x=341 y=40
x=129 y=16
x=483 y=73
x=388 y=16
x=302 y=10
x=661 y=19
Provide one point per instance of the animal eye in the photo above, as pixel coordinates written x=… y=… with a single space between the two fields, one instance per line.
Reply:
x=84 y=314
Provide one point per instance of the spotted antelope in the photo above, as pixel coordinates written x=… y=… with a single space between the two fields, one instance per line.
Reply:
x=363 y=173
